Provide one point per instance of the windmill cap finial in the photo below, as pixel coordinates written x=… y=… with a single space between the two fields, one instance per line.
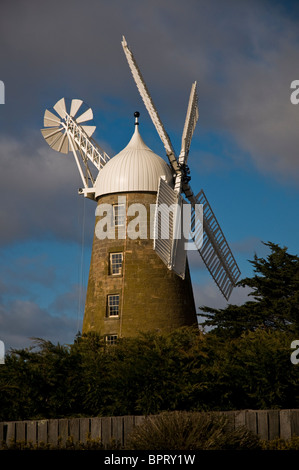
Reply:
x=136 y=114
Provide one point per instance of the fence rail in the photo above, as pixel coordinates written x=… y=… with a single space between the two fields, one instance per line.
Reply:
x=268 y=424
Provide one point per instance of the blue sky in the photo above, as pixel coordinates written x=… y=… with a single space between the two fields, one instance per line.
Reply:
x=244 y=153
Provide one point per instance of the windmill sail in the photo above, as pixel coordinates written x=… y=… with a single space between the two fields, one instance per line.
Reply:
x=169 y=242
x=190 y=124
x=189 y=127
x=215 y=251
x=148 y=102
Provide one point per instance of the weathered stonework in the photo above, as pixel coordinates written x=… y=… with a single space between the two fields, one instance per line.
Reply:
x=151 y=296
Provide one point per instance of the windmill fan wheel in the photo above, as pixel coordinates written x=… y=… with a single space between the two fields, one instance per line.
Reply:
x=55 y=125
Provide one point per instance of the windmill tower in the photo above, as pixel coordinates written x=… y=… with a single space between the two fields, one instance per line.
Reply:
x=139 y=279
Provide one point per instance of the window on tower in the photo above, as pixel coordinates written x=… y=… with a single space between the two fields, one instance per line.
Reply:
x=116 y=263
x=111 y=339
x=113 y=305
x=119 y=215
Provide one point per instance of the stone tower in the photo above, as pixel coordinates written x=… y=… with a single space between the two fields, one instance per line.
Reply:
x=129 y=288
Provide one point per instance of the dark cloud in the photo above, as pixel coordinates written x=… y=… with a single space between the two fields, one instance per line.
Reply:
x=70 y=302
x=33 y=269
x=243 y=54
x=39 y=190
x=207 y=294
x=22 y=320
x=250 y=246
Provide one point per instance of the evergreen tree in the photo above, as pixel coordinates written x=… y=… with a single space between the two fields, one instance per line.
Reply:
x=275 y=290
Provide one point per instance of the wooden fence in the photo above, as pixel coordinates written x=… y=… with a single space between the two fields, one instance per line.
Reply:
x=269 y=424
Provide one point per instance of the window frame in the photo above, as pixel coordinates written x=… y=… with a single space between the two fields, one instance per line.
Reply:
x=117 y=216
x=109 y=310
x=111 y=339
x=120 y=269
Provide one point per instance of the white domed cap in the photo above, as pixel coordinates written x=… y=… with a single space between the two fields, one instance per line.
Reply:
x=135 y=168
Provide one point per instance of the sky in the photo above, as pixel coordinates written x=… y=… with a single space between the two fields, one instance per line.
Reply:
x=244 y=152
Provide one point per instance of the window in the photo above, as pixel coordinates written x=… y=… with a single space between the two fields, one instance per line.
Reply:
x=116 y=263
x=111 y=339
x=119 y=215
x=113 y=305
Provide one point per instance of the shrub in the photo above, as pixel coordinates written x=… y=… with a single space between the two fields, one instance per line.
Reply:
x=281 y=444
x=181 y=430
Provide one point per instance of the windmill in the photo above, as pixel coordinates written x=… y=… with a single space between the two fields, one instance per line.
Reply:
x=139 y=284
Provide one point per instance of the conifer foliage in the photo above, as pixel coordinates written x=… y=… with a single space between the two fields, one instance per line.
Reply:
x=275 y=290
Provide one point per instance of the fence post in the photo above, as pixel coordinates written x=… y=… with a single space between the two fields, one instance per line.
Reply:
x=295 y=422
x=63 y=431
x=273 y=416
x=42 y=431
x=53 y=432
x=21 y=431
x=240 y=418
x=84 y=429
x=285 y=424
x=139 y=420
x=74 y=431
x=117 y=429
x=106 y=430
x=129 y=424
x=1 y=435
x=31 y=432
x=262 y=424
x=251 y=420
x=230 y=416
x=11 y=432
x=95 y=429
